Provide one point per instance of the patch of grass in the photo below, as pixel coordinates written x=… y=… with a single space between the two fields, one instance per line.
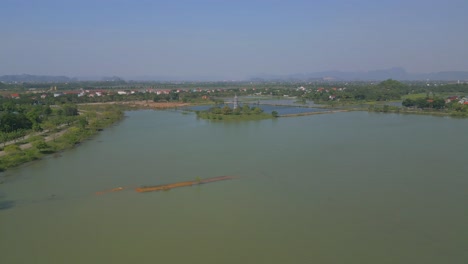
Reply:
x=414 y=96
x=34 y=138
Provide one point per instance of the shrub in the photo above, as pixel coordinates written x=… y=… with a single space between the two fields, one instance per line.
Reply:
x=40 y=144
x=12 y=149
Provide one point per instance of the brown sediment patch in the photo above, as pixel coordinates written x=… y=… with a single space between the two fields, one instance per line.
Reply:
x=166 y=187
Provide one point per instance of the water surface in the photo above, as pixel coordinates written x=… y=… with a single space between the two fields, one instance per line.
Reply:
x=281 y=109
x=352 y=187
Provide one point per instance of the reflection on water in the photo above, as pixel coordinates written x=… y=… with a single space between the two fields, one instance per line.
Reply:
x=6 y=204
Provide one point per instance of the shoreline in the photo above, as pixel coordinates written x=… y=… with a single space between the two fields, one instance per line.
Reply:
x=141 y=104
x=314 y=113
x=28 y=151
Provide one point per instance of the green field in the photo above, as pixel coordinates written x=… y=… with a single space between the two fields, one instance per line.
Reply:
x=424 y=95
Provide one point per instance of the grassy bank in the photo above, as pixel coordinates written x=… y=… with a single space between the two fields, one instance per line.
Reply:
x=415 y=111
x=60 y=138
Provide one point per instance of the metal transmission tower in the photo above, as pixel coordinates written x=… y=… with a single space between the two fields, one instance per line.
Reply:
x=236 y=102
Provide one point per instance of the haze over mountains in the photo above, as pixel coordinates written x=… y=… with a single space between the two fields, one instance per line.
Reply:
x=393 y=73
x=396 y=73
x=17 y=78
x=35 y=78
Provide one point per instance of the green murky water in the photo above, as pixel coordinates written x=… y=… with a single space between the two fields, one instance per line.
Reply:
x=333 y=188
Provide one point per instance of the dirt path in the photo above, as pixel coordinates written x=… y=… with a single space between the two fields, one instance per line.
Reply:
x=46 y=139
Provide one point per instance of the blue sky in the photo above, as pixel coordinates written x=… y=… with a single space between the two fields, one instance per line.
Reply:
x=230 y=39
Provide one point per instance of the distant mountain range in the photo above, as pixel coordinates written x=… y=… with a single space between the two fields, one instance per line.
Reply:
x=52 y=79
x=35 y=78
x=393 y=73
x=376 y=75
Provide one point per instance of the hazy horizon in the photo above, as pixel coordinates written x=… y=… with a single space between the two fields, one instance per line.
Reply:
x=230 y=39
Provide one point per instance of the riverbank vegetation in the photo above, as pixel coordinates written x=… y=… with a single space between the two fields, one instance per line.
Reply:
x=54 y=132
x=456 y=111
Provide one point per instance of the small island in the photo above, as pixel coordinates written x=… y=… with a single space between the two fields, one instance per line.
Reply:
x=236 y=113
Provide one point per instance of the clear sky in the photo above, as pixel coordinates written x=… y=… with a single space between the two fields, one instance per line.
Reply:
x=230 y=39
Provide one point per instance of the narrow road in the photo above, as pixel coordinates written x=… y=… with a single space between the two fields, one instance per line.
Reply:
x=29 y=145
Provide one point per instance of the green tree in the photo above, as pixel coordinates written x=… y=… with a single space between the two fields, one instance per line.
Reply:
x=257 y=110
x=40 y=144
x=47 y=111
x=245 y=109
x=14 y=121
x=421 y=103
x=82 y=122
x=216 y=110
x=9 y=106
x=69 y=110
x=237 y=111
x=227 y=110
x=5 y=137
x=391 y=85
x=438 y=103
x=408 y=103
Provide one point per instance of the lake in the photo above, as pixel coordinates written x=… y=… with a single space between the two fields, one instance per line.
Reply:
x=352 y=187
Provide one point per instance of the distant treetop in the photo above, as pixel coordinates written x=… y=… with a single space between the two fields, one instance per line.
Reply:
x=391 y=84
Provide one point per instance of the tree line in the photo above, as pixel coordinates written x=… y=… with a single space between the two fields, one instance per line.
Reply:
x=17 y=120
